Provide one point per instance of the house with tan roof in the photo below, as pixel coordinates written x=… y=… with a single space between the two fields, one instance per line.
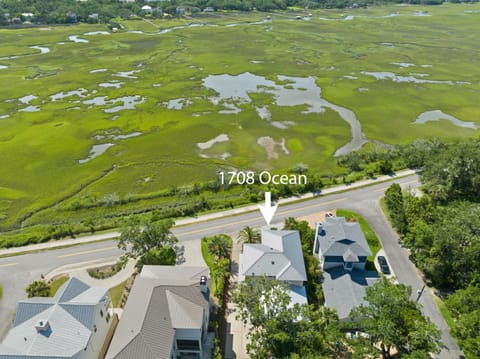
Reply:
x=166 y=316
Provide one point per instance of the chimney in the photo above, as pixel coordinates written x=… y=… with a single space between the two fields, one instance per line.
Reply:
x=203 y=284
x=42 y=326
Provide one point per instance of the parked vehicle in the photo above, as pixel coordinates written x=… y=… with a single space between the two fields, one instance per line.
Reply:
x=382 y=261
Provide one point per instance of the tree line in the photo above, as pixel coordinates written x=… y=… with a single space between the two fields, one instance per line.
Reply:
x=72 y=11
x=441 y=227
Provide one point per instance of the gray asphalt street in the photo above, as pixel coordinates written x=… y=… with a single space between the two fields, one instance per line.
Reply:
x=16 y=272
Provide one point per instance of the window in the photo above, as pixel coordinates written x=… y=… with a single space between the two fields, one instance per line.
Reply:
x=184 y=344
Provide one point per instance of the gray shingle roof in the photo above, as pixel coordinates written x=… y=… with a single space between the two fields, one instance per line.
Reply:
x=346 y=290
x=162 y=298
x=70 y=324
x=280 y=255
x=339 y=236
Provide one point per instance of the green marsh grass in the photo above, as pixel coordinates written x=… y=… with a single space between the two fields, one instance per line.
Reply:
x=41 y=179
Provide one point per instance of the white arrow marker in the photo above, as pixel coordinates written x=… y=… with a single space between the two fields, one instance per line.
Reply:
x=268 y=210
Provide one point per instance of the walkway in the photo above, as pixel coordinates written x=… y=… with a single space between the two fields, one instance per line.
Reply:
x=80 y=271
x=236 y=340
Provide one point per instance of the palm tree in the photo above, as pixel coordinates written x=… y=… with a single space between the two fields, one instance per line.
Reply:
x=290 y=223
x=249 y=235
x=219 y=246
x=38 y=288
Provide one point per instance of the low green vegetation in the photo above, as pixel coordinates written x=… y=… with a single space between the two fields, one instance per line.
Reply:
x=57 y=111
x=158 y=256
x=369 y=233
x=38 y=288
x=312 y=264
x=446 y=314
x=116 y=293
x=104 y=271
x=1 y=291
x=56 y=284
x=216 y=252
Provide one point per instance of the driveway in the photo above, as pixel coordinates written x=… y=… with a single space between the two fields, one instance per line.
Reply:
x=192 y=254
x=236 y=340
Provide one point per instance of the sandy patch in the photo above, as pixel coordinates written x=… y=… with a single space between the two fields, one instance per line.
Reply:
x=269 y=145
x=206 y=145
x=314 y=218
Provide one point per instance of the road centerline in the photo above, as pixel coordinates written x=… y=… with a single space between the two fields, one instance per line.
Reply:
x=8 y=265
x=87 y=252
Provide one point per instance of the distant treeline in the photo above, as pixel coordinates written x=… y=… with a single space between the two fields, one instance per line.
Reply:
x=14 y=12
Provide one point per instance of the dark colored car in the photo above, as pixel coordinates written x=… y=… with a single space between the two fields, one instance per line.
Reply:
x=383 y=264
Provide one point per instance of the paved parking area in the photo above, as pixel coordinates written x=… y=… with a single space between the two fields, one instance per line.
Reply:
x=190 y=253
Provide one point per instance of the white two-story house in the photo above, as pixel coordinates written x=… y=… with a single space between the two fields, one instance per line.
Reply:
x=279 y=256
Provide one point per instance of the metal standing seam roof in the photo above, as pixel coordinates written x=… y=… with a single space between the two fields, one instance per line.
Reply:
x=71 y=324
x=181 y=312
x=162 y=299
x=280 y=255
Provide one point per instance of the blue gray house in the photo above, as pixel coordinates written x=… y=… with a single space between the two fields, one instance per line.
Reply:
x=339 y=243
x=342 y=250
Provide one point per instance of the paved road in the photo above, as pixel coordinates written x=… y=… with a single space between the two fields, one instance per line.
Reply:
x=16 y=272
x=405 y=270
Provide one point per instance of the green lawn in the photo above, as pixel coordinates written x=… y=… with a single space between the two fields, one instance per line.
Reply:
x=209 y=260
x=1 y=291
x=44 y=189
x=445 y=312
x=57 y=283
x=116 y=293
x=370 y=235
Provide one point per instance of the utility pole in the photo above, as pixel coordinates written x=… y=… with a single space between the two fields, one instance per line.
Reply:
x=420 y=292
